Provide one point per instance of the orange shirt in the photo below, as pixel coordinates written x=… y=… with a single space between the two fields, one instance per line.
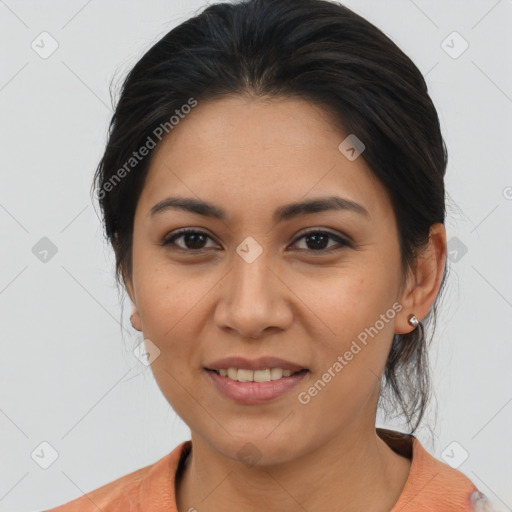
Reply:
x=432 y=486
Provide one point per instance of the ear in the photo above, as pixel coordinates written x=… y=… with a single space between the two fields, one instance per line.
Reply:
x=135 y=317
x=424 y=283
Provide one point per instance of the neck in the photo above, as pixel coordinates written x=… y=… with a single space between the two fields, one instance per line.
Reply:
x=355 y=470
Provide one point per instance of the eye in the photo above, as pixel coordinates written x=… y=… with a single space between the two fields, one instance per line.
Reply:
x=191 y=237
x=317 y=240
x=194 y=240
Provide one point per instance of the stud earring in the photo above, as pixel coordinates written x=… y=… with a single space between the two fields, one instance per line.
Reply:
x=413 y=321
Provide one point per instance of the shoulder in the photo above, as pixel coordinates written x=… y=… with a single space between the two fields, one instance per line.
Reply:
x=121 y=493
x=433 y=485
x=437 y=485
x=152 y=486
x=450 y=487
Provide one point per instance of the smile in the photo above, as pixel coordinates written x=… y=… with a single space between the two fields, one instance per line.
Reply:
x=265 y=375
x=247 y=389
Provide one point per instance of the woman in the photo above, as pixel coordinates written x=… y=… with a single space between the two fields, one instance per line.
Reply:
x=273 y=191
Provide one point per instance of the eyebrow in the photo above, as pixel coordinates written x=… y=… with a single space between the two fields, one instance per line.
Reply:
x=283 y=213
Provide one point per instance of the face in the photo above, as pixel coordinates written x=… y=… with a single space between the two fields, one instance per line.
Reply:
x=307 y=288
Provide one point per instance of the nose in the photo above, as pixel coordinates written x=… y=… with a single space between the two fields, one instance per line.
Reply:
x=253 y=299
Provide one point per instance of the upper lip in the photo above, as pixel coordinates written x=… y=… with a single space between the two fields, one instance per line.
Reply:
x=254 y=364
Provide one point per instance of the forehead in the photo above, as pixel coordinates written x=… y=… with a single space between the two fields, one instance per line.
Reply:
x=251 y=155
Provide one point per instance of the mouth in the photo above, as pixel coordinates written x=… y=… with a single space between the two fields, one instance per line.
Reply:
x=253 y=387
x=263 y=375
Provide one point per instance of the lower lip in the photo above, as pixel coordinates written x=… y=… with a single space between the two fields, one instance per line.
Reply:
x=254 y=392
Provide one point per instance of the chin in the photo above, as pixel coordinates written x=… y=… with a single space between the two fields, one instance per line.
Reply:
x=263 y=450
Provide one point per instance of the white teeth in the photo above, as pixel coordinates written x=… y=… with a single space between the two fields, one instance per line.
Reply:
x=245 y=375
x=276 y=373
x=262 y=375
x=266 y=375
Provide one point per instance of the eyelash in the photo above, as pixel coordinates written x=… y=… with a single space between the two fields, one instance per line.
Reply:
x=341 y=241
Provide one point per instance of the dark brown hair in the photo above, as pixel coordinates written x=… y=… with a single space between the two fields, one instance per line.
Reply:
x=315 y=50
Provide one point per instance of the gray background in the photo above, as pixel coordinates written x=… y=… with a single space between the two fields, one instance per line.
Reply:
x=67 y=373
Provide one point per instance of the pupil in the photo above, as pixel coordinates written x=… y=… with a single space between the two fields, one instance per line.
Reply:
x=315 y=238
x=188 y=236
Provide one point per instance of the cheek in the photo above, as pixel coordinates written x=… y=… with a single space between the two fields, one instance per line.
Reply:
x=172 y=306
x=350 y=371
x=356 y=316
x=165 y=297
x=343 y=301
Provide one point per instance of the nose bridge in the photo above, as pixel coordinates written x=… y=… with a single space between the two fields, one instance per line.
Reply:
x=251 y=273
x=249 y=302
